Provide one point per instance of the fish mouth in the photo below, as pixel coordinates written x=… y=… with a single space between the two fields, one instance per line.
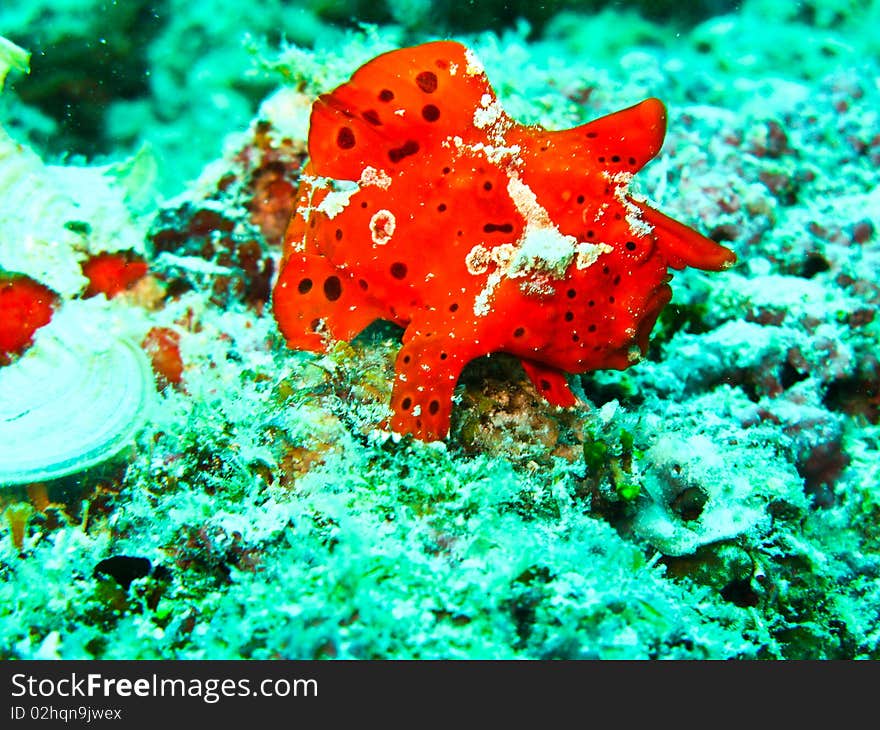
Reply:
x=629 y=351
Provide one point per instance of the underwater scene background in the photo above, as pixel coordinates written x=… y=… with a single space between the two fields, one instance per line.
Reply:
x=177 y=483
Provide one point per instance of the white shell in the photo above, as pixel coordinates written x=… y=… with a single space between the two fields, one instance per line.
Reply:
x=76 y=398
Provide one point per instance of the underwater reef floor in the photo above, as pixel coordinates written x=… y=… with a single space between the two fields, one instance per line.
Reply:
x=720 y=499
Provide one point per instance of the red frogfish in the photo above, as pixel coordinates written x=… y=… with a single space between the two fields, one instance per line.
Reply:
x=425 y=204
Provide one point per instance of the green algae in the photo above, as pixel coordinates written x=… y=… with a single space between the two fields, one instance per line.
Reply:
x=12 y=58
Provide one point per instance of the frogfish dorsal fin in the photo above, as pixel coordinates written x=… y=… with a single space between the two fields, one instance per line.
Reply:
x=621 y=142
x=628 y=139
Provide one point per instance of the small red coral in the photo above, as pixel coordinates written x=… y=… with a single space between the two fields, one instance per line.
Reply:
x=113 y=273
x=25 y=306
x=162 y=346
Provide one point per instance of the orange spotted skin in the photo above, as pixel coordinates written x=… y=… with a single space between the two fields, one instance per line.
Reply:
x=423 y=203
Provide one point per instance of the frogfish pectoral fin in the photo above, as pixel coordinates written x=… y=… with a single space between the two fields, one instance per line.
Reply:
x=315 y=304
x=550 y=383
x=426 y=371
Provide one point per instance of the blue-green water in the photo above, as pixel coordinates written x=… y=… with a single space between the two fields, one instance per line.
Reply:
x=717 y=499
